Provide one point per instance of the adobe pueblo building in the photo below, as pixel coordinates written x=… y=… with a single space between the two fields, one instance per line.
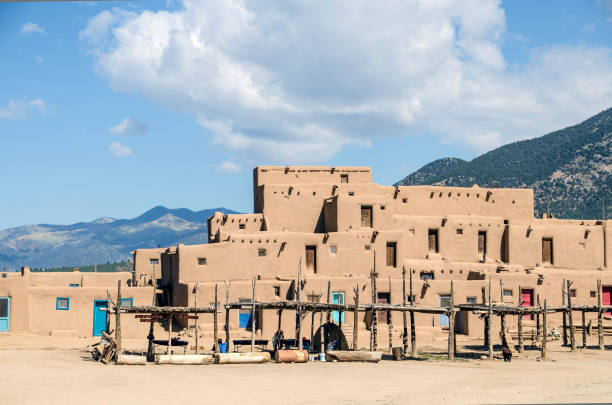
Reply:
x=339 y=226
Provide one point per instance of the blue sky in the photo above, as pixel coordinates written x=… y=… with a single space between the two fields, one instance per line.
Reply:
x=111 y=108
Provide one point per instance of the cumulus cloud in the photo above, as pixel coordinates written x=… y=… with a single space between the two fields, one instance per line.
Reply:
x=118 y=150
x=296 y=82
x=228 y=167
x=21 y=109
x=129 y=126
x=31 y=28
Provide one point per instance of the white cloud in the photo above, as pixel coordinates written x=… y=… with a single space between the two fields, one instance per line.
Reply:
x=31 y=28
x=118 y=150
x=228 y=167
x=295 y=83
x=21 y=109
x=129 y=126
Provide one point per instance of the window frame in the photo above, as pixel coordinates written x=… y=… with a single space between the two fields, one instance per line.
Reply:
x=57 y=303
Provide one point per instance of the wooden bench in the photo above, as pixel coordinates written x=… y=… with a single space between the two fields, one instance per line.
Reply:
x=263 y=343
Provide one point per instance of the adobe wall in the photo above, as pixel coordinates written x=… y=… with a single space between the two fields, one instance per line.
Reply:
x=147 y=265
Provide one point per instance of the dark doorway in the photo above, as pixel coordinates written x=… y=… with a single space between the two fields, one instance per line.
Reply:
x=482 y=245
x=433 y=244
x=366 y=215
x=382 y=298
x=391 y=254
x=547 y=250
x=311 y=258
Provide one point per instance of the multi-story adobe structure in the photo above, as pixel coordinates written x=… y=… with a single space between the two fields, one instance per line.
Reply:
x=338 y=225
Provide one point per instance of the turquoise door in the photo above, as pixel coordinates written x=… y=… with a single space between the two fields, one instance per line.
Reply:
x=444 y=302
x=5 y=311
x=99 y=317
x=338 y=298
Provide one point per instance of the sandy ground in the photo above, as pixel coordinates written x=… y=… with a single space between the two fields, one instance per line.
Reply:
x=46 y=370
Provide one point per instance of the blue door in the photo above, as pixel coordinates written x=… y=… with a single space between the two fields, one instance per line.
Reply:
x=444 y=302
x=99 y=317
x=5 y=311
x=244 y=315
x=338 y=298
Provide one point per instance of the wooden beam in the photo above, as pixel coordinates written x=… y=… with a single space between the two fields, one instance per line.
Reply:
x=356 y=319
x=584 y=340
x=538 y=320
x=571 y=317
x=404 y=315
x=227 y=315
x=119 y=349
x=298 y=313
x=520 y=322
x=215 y=324
x=600 y=338
x=544 y=332
x=197 y=332
x=564 y=314
x=253 y=326
x=390 y=322
x=412 y=326
x=490 y=342
x=451 y=324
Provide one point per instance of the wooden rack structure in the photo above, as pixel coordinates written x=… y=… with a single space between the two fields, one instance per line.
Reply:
x=488 y=310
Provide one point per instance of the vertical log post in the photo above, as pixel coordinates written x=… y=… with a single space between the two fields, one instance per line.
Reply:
x=544 y=331
x=520 y=321
x=215 y=322
x=119 y=347
x=253 y=326
x=404 y=315
x=150 y=337
x=390 y=322
x=451 y=324
x=538 y=320
x=195 y=304
x=278 y=329
x=169 y=335
x=502 y=316
x=373 y=336
x=490 y=342
x=564 y=313
x=412 y=326
x=356 y=319
x=298 y=312
x=312 y=322
x=328 y=300
x=486 y=319
x=583 y=329
x=227 y=316
x=600 y=338
x=571 y=317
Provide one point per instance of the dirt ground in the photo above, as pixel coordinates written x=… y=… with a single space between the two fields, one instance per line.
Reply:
x=47 y=370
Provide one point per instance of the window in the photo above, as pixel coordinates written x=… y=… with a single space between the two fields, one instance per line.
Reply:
x=470 y=300
x=382 y=207
x=573 y=293
x=482 y=244
x=366 y=215
x=153 y=261
x=74 y=285
x=547 y=250
x=433 y=244
x=241 y=226
x=351 y=193
x=391 y=254
x=62 y=303
x=366 y=247
x=277 y=291
x=261 y=252
x=459 y=231
x=333 y=250
x=507 y=293
x=201 y=261
x=344 y=178
x=311 y=258
x=404 y=200
x=427 y=275
x=127 y=302
x=593 y=294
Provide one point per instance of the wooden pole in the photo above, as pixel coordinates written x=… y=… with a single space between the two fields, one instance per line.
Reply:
x=312 y=322
x=119 y=348
x=215 y=322
x=390 y=321
x=600 y=337
x=328 y=300
x=538 y=320
x=227 y=316
x=564 y=314
x=486 y=319
x=544 y=331
x=195 y=304
x=325 y=331
x=373 y=339
x=502 y=316
x=169 y=352
x=412 y=326
x=404 y=315
x=583 y=330
x=253 y=326
x=278 y=329
x=490 y=342
x=520 y=321
x=571 y=317
x=150 y=336
x=356 y=319
x=298 y=312
x=451 y=324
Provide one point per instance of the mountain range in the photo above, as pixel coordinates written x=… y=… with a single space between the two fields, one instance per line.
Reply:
x=102 y=240
x=568 y=169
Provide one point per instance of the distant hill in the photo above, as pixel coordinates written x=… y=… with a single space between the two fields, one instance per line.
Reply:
x=569 y=168
x=103 y=240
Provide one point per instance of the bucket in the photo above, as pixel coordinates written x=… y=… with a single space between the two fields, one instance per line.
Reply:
x=223 y=347
x=322 y=357
x=397 y=353
x=311 y=357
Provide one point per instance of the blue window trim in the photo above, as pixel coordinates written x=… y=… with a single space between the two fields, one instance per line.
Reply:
x=128 y=302
x=74 y=285
x=57 y=300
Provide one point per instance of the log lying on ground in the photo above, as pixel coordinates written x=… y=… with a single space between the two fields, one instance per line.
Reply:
x=195 y=359
x=130 y=359
x=291 y=356
x=342 y=355
x=243 y=358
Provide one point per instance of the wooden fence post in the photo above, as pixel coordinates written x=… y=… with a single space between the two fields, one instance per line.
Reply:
x=253 y=326
x=490 y=342
x=169 y=335
x=195 y=304
x=405 y=320
x=413 y=352
x=571 y=317
x=356 y=319
x=520 y=322
x=227 y=315
x=119 y=348
x=538 y=319
x=584 y=340
x=374 y=328
x=389 y=321
x=544 y=331
x=215 y=320
x=600 y=337
x=298 y=312
x=451 y=324
x=564 y=313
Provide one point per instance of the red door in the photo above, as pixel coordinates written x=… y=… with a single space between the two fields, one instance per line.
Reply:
x=527 y=300
x=606 y=298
